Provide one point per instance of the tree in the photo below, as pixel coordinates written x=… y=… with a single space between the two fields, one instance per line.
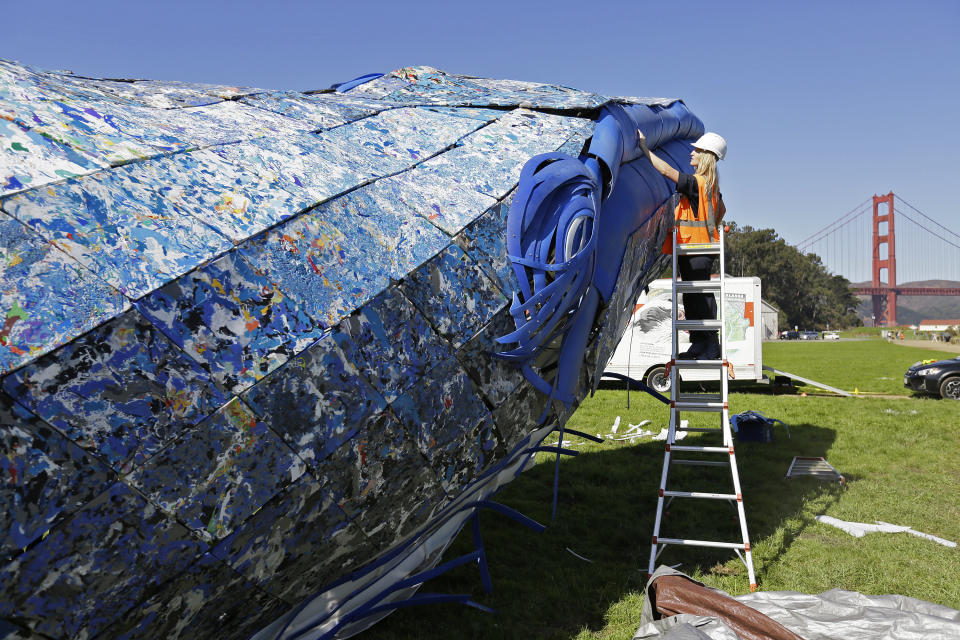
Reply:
x=799 y=285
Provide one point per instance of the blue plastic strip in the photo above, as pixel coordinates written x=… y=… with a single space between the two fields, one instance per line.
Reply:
x=636 y=384
x=583 y=435
x=343 y=87
x=556 y=476
x=367 y=608
x=482 y=560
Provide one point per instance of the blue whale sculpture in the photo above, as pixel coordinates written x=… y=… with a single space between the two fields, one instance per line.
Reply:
x=264 y=354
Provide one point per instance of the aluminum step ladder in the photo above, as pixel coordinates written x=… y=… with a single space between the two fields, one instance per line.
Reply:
x=700 y=402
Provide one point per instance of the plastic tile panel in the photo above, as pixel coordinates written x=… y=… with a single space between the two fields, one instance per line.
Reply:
x=18 y=84
x=163 y=94
x=496 y=379
x=28 y=159
x=474 y=169
x=316 y=402
x=46 y=298
x=338 y=256
x=391 y=343
x=10 y=631
x=157 y=94
x=196 y=604
x=225 y=122
x=579 y=131
x=233 y=320
x=122 y=391
x=226 y=196
x=120 y=228
x=106 y=131
x=307 y=167
x=396 y=139
x=297 y=543
x=485 y=241
x=504 y=86
x=450 y=425
x=215 y=476
x=356 y=101
x=382 y=230
x=442 y=200
x=557 y=97
x=453 y=293
x=521 y=134
x=322 y=111
x=46 y=477
x=476 y=113
x=449 y=95
x=96 y=565
x=520 y=415
x=304 y=259
x=177 y=89
x=423 y=131
x=382 y=481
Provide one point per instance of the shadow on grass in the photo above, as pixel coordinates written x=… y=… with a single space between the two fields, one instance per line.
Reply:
x=607 y=503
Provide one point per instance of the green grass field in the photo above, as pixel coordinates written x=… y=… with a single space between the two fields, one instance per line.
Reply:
x=898 y=453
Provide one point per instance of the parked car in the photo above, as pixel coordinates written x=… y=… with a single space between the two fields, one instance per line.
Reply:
x=809 y=335
x=935 y=377
x=831 y=335
x=789 y=335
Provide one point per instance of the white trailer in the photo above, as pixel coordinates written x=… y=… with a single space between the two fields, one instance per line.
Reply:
x=644 y=350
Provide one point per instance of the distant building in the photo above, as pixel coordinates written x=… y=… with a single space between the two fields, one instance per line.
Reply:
x=937 y=325
x=769 y=317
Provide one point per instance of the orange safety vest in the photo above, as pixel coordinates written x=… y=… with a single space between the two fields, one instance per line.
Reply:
x=694 y=227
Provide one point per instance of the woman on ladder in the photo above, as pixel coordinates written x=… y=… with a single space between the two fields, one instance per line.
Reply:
x=697 y=215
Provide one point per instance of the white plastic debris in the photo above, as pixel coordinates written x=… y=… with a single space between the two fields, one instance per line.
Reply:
x=577 y=555
x=860 y=529
x=616 y=425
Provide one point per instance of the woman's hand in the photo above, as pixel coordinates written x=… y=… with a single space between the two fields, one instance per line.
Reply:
x=643 y=141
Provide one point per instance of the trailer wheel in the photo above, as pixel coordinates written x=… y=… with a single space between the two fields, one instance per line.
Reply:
x=658 y=380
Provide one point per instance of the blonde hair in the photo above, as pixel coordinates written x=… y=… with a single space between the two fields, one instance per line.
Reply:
x=707 y=167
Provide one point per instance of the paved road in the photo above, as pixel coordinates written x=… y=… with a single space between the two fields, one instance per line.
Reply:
x=929 y=344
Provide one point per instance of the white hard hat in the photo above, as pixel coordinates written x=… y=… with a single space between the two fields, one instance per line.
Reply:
x=712 y=142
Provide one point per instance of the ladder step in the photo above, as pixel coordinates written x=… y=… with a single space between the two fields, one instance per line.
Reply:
x=688 y=447
x=698 y=406
x=701 y=463
x=689 y=249
x=699 y=397
x=698 y=364
x=703 y=429
x=699 y=494
x=694 y=325
x=686 y=286
x=704 y=543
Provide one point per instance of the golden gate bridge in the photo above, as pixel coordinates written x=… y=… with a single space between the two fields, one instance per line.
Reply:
x=933 y=250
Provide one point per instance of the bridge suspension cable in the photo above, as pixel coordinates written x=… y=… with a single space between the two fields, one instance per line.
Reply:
x=840 y=222
x=931 y=232
x=956 y=235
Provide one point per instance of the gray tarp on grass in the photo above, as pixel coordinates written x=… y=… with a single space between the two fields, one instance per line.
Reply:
x=834 y=614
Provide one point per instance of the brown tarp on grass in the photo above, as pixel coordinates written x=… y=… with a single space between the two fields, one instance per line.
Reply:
x=707 y=614
x=670 y=593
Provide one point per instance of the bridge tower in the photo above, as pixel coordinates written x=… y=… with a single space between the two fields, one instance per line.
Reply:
x=884 y=304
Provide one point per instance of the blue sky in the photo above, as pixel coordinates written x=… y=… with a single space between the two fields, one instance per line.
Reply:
x=823 y=104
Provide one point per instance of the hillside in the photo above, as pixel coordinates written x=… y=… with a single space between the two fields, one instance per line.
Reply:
x=913 y=309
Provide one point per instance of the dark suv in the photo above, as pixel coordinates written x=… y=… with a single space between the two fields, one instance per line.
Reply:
x=936 y=377
x=790 y=335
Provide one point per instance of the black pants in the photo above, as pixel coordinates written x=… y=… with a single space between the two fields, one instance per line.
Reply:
x=698 y=306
